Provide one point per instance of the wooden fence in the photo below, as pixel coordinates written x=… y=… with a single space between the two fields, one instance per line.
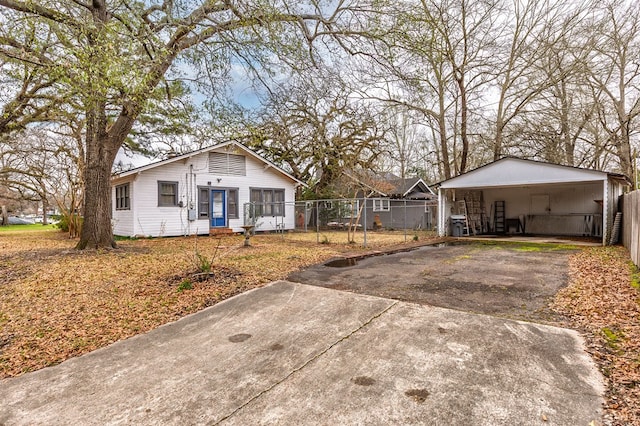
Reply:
x=631 y=225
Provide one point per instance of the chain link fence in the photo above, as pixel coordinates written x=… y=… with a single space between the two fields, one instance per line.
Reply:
x=357 y=216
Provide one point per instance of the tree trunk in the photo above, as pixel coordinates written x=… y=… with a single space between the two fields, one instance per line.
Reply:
x=623 y=148
x=45 y=207
x=5 y=216
x=442 y=128
x=463 y=122
x=97 y=231
x=498 y=142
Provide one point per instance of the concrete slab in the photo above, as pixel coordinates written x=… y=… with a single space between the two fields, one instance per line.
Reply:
x=297 y=354
x=495 y=278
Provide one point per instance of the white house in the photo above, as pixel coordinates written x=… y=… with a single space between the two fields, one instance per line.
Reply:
x=202 y=192
x=532 y=197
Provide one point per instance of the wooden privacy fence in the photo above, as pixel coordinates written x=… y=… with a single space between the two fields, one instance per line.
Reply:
x=631 y=225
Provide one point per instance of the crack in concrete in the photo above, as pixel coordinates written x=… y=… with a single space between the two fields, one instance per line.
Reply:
x=293 y=293
x=309 y=361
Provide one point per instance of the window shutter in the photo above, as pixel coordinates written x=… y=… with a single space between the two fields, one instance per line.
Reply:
x=227 y=164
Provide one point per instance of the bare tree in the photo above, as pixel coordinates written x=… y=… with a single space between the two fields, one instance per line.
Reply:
x=615 y=75
x=558 y=106
x=410 y=72
x=318 y=130
x=433 y=57
x=536 y=51
x=405 y=140
x=44 y=166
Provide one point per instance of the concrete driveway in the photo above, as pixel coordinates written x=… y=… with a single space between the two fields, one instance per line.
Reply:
x=295 y=354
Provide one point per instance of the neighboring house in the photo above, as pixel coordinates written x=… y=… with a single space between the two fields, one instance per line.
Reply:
x=202 y=192
x=513 y=195
x=410 y=189
x=391 y=203
x=408 y=202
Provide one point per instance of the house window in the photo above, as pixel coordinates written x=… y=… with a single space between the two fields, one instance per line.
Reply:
x=203 y=203
x=232 y=203
x=349 y=209
x=381 y=205
x=327 y=205
x=278 y=203
x=122 y=197
x=268 y=202
x=167 y=194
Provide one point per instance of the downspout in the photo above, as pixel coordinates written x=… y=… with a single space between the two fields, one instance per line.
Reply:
x=134 y=207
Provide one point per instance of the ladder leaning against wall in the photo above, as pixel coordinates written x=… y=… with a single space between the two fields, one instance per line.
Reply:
x=499 y=217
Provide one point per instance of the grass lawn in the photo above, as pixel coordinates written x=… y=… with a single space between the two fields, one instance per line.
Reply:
x=56 y=303
x=37 y=227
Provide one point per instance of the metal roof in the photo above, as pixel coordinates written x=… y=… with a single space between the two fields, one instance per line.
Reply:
x=512 y=171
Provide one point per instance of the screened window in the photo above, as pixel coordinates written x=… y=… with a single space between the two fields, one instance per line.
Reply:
x=278 y=203
x=232 y=203
x=167 y=194
x=203 y=203
x=349 y=209
x=256 y=200
x=122 y=197
x=268 y=202
x=381 y=205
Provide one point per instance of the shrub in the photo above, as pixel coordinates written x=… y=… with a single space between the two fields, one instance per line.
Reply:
x=66 y=220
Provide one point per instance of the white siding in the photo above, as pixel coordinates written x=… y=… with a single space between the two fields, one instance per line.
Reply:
x=147 y=219
x=122 y=220
x=567 y=206
x=152 y=220
x=563 y=199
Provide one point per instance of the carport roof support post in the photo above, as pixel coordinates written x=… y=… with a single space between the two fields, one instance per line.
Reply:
x=605 y=212
x=441 y=214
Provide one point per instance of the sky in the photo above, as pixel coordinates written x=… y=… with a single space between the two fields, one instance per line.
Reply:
x=242 y=91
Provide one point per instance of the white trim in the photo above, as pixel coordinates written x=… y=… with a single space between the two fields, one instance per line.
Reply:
x=441 y=226
x=416 y=184
x=205 y=150
x=606 y=229
x=381 y=204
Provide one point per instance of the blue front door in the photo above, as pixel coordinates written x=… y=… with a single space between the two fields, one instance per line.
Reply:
x=218 y=209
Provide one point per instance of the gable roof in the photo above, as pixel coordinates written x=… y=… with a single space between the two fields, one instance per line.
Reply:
x=403 y=187
x=205 y=150
x=512 y=171
x=390 y=185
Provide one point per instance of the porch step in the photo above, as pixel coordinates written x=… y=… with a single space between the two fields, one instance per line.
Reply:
x=220 y=231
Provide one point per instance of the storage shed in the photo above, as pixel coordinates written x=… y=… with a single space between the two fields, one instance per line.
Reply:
x=513 y=195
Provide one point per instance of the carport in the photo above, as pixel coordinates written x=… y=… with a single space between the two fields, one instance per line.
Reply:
x=513 y=195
